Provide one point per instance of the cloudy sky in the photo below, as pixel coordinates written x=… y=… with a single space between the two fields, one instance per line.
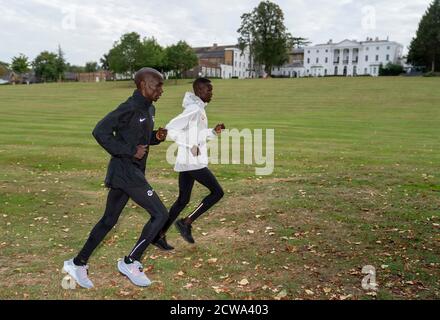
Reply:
x=87 y=29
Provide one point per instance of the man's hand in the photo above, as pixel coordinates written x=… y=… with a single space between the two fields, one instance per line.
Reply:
x=162 y=134
x=219 y=128
x=141 y=151
x=196 y=151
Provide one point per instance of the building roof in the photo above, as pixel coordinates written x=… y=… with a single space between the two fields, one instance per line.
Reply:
x=214 y=47
x=214 y=51
x=208 y=64
x=354 y=42
x=210 y=54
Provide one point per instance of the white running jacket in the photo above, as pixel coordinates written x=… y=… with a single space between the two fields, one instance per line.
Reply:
x=190 y=129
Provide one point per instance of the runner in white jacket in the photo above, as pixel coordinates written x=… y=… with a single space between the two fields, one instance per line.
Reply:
x=190 y=131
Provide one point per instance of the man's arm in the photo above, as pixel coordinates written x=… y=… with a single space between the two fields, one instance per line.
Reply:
x=211 y=134
x=178 y=126
x=158 y=136
x=104 y=134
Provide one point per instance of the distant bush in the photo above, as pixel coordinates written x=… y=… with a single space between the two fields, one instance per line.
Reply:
x=432 y=74
x=391 y=70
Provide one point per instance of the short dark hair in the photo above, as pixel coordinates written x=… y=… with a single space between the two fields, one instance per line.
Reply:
x=146 y=73
x=199 y=82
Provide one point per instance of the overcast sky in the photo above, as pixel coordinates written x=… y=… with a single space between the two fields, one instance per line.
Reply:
x=87 y=29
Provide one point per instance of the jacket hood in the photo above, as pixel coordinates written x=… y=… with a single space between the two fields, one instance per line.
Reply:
x=191 y=99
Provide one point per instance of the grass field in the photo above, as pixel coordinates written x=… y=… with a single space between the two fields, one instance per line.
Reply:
x=356 y=183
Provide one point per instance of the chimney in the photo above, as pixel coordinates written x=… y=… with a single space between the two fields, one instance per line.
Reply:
x=330 y=41
x=215 y=45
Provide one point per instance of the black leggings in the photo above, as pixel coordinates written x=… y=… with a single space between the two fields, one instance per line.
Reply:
x=186 y=184
x=117 y=200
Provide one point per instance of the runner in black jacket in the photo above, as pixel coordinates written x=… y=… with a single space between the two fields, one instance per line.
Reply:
x=127 y=134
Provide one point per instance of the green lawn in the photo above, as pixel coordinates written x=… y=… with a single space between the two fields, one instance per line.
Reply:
x=356 y=183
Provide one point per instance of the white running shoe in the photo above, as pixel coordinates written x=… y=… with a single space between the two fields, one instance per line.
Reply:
x=79 y=274
x=134 y=272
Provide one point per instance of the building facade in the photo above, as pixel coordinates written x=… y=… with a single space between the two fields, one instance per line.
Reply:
x=346 y=58
x=223 y=62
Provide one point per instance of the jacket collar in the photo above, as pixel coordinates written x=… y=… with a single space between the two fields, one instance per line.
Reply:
x=140 y=99
x=191 y=99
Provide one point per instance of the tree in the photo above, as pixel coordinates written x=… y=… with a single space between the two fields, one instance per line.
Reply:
x=61 y=64
x=75 y=69
x=300 y=42
x=264 y=32
x=20 y=64
x=104 y=62
x=46 y=66
x=180 y=57
x=126 y=54
x=130 y=54
x=4 y=69
x=152 y=54
x=91 y=66
x=425 y=46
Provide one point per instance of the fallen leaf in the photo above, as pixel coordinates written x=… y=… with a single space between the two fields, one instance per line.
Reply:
x=310 y=292
x=213 y=260
x=244 y=282
x=281 y=295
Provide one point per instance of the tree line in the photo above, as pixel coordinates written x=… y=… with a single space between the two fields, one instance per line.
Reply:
x=128 y=55
x=262 y=31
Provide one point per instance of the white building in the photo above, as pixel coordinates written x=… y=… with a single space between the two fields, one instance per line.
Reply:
x=346 y=58
x=351 y=58
x=241 y=63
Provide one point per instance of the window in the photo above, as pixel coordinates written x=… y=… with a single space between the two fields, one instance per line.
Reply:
x=317 y=51
x=388 y=57
x=377 y=48
x=336 y=71
x=377 y=57
x=365 y=71
x=326 y=60
x=366 y=58
x=326 y=51
x=317 y=60
x=308 y=51
x=368 y=48
x=325 y=72
x=308 y=60
x=388 y=48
